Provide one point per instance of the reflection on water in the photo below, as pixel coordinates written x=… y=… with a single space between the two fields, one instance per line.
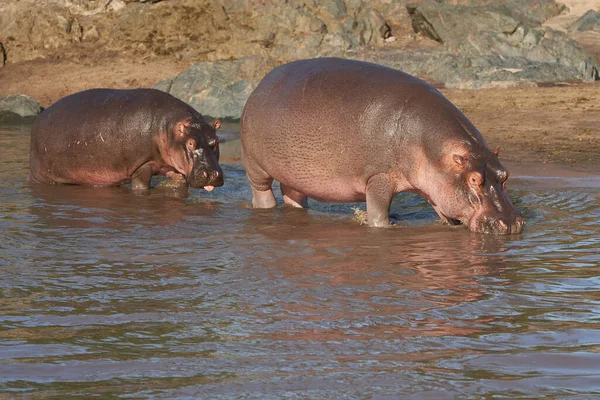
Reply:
x=105 y=292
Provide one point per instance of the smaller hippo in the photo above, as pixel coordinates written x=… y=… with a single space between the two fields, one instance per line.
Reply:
x=339 y=130
x=106 y=137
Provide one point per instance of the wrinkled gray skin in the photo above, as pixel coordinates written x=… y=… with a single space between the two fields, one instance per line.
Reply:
x=105 y=137
x=340 y=130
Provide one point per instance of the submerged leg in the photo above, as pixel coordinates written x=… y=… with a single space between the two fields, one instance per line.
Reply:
x=293 y=197
x=260 y=182
x=263 y=198
x=175 y=181
x=380 y=191
x=140 y=180
x=262 y=193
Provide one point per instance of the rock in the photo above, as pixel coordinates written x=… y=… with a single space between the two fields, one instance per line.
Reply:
x=91 y=34
x=85 y=6
x=335 y=45
x=291 y=33
x=370 y=27
x=453 y=24
x=472 y=67
x=190 y=29
x=3 y=57
x=484 y=45
x=448 y=23
x=303 y=30
x=34 y=31
x=18 y=107
x=218 y=89
x=480 y=42
x=532 y=12
x=529 y=12
x=116 y=5
x=590 y=21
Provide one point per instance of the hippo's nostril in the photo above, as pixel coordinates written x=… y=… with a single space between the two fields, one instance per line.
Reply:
x=217 y=173
x=204 y=174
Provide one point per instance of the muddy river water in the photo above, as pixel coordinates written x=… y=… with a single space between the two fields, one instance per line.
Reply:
x=107 y=293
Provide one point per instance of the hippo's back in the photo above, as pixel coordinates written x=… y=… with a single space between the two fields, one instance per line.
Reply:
x=82 y=115
x=308 y=90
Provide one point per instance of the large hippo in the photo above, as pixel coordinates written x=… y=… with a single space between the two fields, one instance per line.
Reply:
x=106 y=137
x=340 y=130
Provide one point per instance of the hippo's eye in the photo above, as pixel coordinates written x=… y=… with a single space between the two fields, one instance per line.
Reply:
x=475 y=180
x=503 y=178
x=191 y=144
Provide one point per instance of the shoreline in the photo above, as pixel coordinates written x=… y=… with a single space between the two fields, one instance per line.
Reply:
x=523 y=171
x=537 y=125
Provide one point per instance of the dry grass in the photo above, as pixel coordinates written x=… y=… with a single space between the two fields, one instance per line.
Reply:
x=360 y=216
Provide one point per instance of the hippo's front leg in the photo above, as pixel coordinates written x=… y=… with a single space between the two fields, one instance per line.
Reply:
x=380 y=190
x=175 y=181
x=141 y=177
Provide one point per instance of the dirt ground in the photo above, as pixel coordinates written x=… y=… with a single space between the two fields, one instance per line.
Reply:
x=537 y=129
x=50 y=80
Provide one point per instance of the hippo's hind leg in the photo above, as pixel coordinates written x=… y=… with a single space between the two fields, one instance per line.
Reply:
x=380 y=191
x=293 y=197
x=262 y=193
x=260 y=182
x=141 y=177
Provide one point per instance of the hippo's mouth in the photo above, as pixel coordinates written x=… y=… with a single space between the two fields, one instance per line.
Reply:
x=451 y=221
x=208 y=188
x=205 y=180
x=498 y=226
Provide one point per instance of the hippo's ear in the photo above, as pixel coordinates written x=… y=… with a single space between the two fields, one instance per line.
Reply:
x=496 y=151
x=216 y=124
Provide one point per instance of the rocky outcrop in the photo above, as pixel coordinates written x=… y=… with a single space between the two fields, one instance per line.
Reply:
x=29 y=32
x=590 y=21
x=482 y=44
x=218 y=89
x=453 y=24
x=529 y=12
x=2 y=55
x=18 y=107
x=201 y=30
x=458 y=43
x=450 y=23
x=493 y=45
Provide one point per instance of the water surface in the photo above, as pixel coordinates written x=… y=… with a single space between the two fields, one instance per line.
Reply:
x=107 y=293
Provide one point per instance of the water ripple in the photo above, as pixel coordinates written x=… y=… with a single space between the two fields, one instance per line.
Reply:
x=107 y=293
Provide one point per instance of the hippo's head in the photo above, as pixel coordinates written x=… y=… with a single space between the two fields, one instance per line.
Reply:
x=472 y=192
x=194 y=153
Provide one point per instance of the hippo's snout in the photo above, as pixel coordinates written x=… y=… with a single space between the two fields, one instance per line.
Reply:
x=206 y=179
x=499 y=226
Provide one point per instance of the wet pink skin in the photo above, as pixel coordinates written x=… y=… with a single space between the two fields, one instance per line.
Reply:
x=340 y=130
x=106 y=137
